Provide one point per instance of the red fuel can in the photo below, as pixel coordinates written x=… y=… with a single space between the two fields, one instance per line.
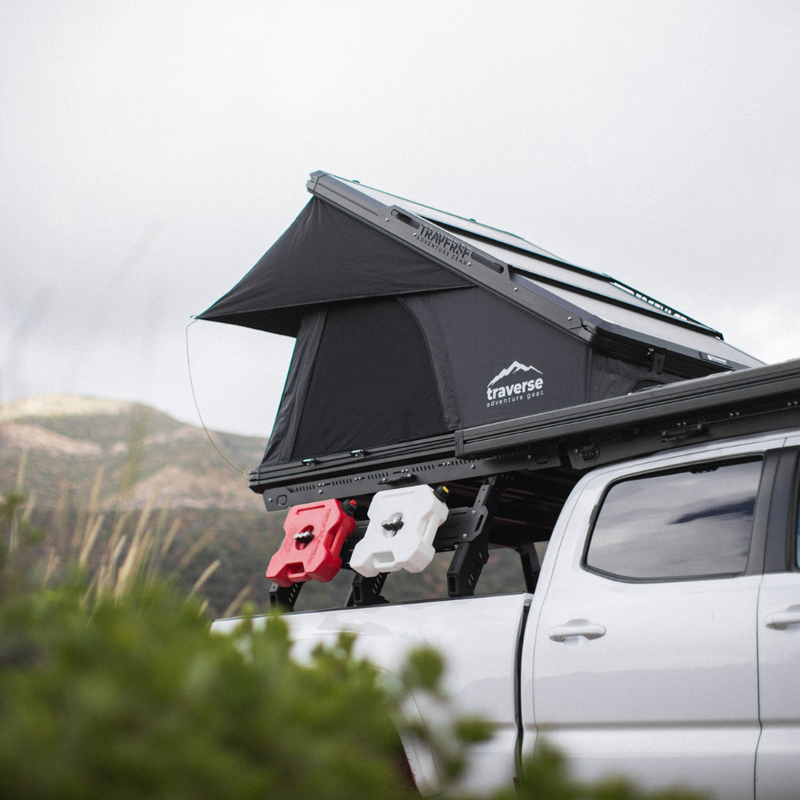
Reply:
x=315 y=533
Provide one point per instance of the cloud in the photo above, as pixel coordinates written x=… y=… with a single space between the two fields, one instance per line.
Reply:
x=152 y=153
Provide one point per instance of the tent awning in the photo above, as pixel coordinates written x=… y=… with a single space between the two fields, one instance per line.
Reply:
x=325 y=256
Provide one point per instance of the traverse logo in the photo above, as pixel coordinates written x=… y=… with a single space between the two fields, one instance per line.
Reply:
x=506 y=387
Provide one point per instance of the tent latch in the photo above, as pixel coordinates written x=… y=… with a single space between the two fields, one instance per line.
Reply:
x=657 y=360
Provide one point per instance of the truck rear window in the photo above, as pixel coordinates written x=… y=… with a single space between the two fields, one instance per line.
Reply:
x=684 y=524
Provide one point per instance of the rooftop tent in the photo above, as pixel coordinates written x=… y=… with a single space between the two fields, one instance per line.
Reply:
x=411 y=323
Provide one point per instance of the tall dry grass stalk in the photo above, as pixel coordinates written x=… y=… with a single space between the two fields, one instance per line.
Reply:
x=134 y=554
x=136 y=550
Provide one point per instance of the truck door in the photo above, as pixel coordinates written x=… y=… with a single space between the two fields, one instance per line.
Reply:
x=645 y=659
x=778 y=761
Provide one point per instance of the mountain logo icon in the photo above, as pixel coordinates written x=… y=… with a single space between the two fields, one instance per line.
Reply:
x=516 y=382
x=514 y=368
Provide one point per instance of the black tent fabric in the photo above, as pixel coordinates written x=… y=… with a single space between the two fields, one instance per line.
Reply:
x=325 y=256
x=372 y=372
x=392 y=346
x=374 y=354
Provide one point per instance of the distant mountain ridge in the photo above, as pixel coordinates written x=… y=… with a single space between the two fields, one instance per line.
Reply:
x=62 y=405
x=61 y=441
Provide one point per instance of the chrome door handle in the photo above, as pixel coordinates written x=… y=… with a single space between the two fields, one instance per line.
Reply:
x=577 y=627
x=779 y=620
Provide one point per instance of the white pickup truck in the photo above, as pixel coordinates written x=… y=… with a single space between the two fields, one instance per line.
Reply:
x=660 y=638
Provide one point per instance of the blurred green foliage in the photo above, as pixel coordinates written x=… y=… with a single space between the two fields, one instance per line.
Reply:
x=124 y=693
x=135 y=698
x=548 y=776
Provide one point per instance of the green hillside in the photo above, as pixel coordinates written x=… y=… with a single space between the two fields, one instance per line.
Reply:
x=141 y=451
x=81 y=459
x=62 y=448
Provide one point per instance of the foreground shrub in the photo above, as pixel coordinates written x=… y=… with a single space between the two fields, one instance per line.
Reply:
x=111 y=686
x=548 y=776
x=139 y=700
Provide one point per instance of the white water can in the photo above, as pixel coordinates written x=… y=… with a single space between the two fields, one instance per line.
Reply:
x=402 y=526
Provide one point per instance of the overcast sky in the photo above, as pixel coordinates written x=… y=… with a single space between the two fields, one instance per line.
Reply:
x=150 y=152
